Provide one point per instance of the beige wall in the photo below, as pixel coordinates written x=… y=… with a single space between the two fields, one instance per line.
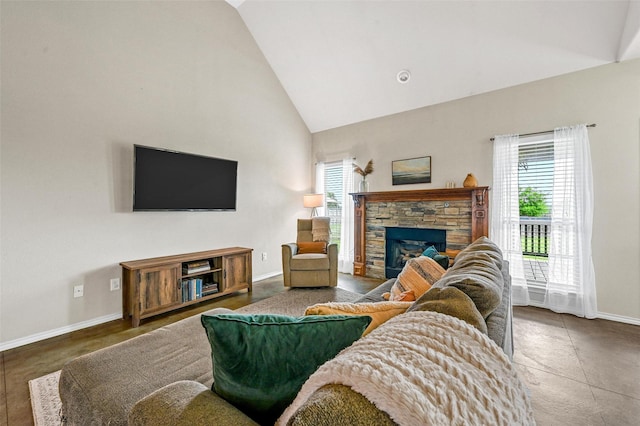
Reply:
x=84 y=81
x=456 y=135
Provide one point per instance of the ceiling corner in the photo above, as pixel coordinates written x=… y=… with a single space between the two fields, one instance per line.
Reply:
x=235 y=3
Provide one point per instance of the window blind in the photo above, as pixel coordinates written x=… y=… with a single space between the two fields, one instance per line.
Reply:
x=535 y=167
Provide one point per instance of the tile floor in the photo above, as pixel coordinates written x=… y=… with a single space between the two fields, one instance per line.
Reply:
x=580 y=372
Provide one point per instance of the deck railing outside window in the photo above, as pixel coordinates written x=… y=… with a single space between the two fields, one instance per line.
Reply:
x=534 y=233
x=334 y=211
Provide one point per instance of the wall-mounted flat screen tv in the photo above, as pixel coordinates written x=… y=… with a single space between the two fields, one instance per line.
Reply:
x=170 y=180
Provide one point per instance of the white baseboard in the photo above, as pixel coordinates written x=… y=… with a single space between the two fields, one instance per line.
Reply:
x=619 y=318
x=85 y=324
x=537 y=299
x=601 y=315
x=267 y=275
x=58 y=331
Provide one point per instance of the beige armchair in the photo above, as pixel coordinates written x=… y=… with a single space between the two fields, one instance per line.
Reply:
x=302 y=264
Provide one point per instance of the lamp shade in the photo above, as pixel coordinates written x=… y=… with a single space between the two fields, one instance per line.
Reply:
x=313 y=200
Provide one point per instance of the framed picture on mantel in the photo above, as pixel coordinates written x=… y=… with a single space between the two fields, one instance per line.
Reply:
x=413 y=170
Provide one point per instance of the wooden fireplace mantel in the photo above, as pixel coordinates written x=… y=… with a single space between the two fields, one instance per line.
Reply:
x=478 y=197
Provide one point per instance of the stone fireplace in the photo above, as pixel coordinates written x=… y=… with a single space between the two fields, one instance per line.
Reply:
x=462 y=213
x=402 y=244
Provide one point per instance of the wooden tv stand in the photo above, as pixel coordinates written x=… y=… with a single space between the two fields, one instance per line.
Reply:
x=162 y=284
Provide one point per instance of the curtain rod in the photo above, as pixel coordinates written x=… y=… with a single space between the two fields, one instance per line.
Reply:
x=542 y=133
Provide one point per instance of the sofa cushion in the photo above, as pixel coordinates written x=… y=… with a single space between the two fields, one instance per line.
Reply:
x=379 y=312
x=418 y=274
x=309 y=262
x=261 y=361
x=377 y=294
x=499 y=326
x=479 y=278
x=185 y=403
x=481 y=245
x=450 y=301
x=338 y=404
x=312 y=247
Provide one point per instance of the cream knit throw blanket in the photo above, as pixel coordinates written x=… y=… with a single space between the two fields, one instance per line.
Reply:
x=427 y=368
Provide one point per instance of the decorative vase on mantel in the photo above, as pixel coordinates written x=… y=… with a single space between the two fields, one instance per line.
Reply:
x=364 y=185
x=470 y=181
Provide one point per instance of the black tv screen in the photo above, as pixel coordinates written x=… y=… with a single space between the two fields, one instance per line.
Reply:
x=171 y=180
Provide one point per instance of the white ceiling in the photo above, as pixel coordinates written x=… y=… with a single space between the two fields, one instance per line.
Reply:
x=338 y=60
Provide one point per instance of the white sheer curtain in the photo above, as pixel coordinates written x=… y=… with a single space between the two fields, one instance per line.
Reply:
x=571 y=286
x=504 y=224
x=320 y=187
x=345 y=254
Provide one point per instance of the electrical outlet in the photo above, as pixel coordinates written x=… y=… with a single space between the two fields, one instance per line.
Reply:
x=264 y=256
x=78 y=290
x=114 y=284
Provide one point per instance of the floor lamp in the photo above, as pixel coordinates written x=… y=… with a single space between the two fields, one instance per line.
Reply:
x=314 y=201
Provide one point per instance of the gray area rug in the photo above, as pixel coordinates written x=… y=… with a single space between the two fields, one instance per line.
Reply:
x=294 y=301
x=45 y=400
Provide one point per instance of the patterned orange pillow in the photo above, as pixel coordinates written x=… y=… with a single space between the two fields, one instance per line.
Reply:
x=312 y=247
x=418 y=275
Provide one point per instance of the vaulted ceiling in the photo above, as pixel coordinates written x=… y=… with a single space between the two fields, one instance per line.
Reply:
x=339 y=60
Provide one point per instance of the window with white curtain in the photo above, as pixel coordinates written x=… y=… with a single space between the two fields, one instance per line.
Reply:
x=333 y=190
x=335 y=180
x=560 y=168
x=535 y=188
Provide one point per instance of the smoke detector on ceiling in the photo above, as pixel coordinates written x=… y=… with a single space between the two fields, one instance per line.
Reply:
x=403 y=76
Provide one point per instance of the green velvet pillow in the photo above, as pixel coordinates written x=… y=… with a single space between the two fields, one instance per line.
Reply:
x=442 y=260
x=430 y=252
x=435 y=255
x=260 y=362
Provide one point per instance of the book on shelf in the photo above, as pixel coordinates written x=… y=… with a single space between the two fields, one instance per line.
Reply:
x=191 y=289
x=185 y=291
x=195 y=267
x=209 y=288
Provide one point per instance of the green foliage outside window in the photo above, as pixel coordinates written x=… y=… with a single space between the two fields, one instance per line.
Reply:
x=332 y=201
x=532 y=203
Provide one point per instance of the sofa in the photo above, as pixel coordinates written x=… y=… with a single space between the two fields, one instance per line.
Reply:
x=143 y=382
